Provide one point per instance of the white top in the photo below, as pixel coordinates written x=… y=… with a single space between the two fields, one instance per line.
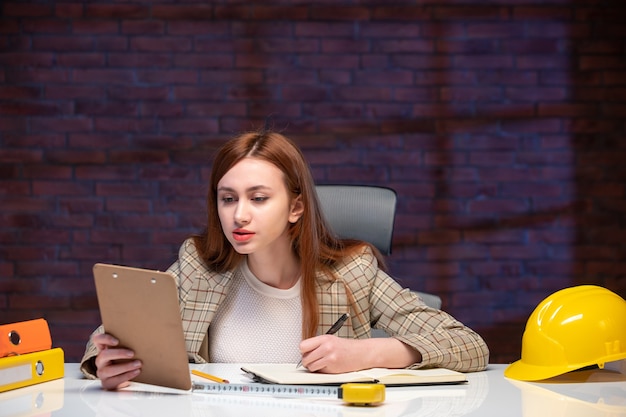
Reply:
x=257 y=323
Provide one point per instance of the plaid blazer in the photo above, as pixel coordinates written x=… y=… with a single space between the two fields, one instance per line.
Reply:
x=379 y=302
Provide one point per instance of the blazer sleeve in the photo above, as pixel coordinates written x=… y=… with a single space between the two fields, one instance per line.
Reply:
x=88 y=362
x=442 y=340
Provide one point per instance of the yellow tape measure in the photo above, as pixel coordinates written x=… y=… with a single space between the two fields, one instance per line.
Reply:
x=353 y=393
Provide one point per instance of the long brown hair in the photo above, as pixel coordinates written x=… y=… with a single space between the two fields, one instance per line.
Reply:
x=316 y=247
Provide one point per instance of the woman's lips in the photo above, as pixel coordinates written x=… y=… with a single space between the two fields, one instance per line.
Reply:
x=242 y=235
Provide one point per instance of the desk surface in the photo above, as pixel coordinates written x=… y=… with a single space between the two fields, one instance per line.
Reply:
x=586 y=394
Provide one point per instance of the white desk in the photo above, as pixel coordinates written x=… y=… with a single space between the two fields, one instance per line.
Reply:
x=585 y=394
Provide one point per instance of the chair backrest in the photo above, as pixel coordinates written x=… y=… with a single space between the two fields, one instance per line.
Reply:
x=362 y=212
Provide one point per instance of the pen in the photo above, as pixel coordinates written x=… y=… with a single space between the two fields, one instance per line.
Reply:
x=333 y=329
x=211 y=377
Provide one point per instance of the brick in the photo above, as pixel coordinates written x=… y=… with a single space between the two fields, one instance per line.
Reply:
x=19 y=9
x=500 y=30
x=162 y=109
x=142 y=27
x=511 y=77
x=191 y=125
x=70 y=92
x=535 y=189
x=92 y=108
x=20 y=155
x=103 y=76
x=566 y=109
x=75 y=156
x=28 y=59
x=95 y=27
x=111 y=43
x=168 y=76
x=41 y=302
x=541 y=62
x=124 y=124
x=517 y=252
x=128 y=205
x=289 y=13
x=9 y=26
x=68 y=10
x=117 y=11
x=438 y=237
x=500 y=206
x=217 y=28
x=136 y=156
x=186 y=12
x=19 y=92
x=132 y=92
x=469 y=12
x=14 y=188
x=440 y=269
x=544 y=125
x=41 y=171
x=81 y=204
x=403 y=46
x=400 y=13
x=460 y=94
x=96 y=141
x=141 y=60
x=38 y=75
x=160 y=44
x=122 y=189
x=46 y=26
x=313 y=61
x=334 y=46
x=60 y=188
x=26 y=204
x=81 y=60
x=246 y=29
x=282 y=45
x=349 y=13
x=421 y=94
x=151 y=256
x=549 y=13
x=118 y=237
x=203 y=61
x=323 y=29
x=33 y=108
x=455 y=252
x=389 y=78
x=62 y=43
x=580 y=126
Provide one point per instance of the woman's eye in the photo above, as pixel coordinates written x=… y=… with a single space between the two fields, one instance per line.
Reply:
x=228 y=199
x=259 y=199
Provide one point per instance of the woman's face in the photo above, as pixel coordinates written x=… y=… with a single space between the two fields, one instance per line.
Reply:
x=254 y=206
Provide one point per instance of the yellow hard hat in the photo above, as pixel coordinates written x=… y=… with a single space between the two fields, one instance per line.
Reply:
x=569 y=330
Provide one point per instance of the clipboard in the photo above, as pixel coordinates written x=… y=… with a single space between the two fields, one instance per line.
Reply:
x=140 y=308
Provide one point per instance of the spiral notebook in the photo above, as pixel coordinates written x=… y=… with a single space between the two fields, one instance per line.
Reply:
x=288 y=374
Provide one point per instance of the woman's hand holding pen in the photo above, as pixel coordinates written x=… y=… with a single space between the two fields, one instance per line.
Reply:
x=115 y=366
x=332 y=354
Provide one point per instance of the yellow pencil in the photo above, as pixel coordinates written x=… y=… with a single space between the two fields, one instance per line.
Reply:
x=211 y=377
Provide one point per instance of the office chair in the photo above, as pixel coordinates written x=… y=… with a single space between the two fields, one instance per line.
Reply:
x=366 y=213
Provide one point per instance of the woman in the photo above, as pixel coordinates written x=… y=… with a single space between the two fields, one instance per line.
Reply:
x=267 y=276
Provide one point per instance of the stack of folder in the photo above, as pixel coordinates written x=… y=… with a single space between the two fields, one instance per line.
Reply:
x=26 y=355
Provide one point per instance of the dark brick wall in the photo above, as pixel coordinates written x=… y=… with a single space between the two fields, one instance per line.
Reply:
x=499 y=123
